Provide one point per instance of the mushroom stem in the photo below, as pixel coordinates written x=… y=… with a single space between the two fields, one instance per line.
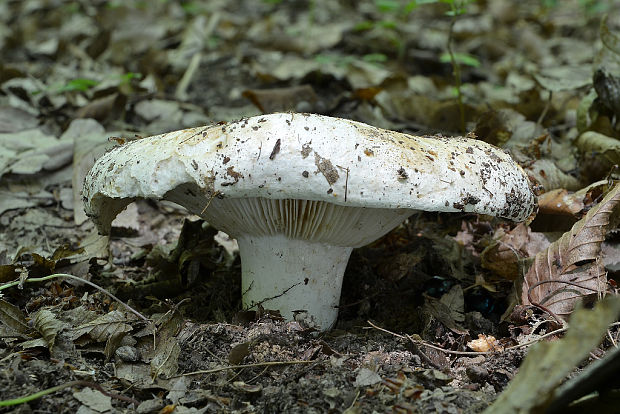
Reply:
x=293 y=275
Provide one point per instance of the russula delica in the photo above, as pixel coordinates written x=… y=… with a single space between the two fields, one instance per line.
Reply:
x=300 y=191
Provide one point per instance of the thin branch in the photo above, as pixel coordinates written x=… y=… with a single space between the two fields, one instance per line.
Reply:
x=470 y=353
x=57 y=275
x=259 y=364
x=37 y=395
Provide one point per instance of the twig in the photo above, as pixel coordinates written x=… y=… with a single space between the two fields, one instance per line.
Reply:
x=37 y=395
x=57 y=275
x=258 y=364
x=215 y=194
x=470 y=353
x=350 y=409
x=545 y=110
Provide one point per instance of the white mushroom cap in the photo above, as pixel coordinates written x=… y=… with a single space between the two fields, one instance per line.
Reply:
x=325 y=182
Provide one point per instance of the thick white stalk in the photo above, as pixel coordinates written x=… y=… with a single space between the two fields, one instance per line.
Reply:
x=293 y=275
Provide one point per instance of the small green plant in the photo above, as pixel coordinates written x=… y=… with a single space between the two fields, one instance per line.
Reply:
x=394 y=12
x=376 y=58
x=457 y=8
x=127 y=77
x=79 y=85
x=462 y=58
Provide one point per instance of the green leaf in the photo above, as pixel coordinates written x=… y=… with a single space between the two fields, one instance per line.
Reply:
x=461 y=58
x=375 y=58
x=79 y=84
x=388 y=24
x=385 y=6
x=365 y=25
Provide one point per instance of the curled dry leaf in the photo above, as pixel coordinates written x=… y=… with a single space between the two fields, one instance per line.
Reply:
x=45 y=322
x=571 y=267
x=503 y=257
x=485 y=343
x=605 y=148
x=547 y=174
x=103 y=327
x=560 y=202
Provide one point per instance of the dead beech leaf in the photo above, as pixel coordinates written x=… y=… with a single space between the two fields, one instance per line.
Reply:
x=606 y=149
x=574 y=258
x=449 y=310
x=560 y=202
x=106 y=107
x=546 y=173
x=503 y=256
x=396 y=267
x=165 y=360
x=45 y=322
x=102 y=328
x=12 y=317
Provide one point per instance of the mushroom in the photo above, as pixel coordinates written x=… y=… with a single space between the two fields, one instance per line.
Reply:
x=300 y=191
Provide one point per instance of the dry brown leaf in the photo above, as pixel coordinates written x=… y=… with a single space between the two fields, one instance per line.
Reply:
x=573 y=260
x=45 y=322
x=105 y=326
x=547 y=174
x=560 y=202
x=503 y=256
x=396 y=267
x=106 y=107
x=13 y=318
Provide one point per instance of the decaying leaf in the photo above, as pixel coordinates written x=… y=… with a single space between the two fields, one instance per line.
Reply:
x=396 y=267
x=105 y=326
x=449 y=309
x=94 y=400
x=607 y=149
x=562 y=78
x=165 y=360
x=571 y=267
x=503 y=257
x=560 y=202
x=45 y=322
x=546 y=173
x=13 y=318
x=547 y=363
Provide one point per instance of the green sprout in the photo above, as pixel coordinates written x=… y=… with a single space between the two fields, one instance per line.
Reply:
x=79 y=85
x=461 y=58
